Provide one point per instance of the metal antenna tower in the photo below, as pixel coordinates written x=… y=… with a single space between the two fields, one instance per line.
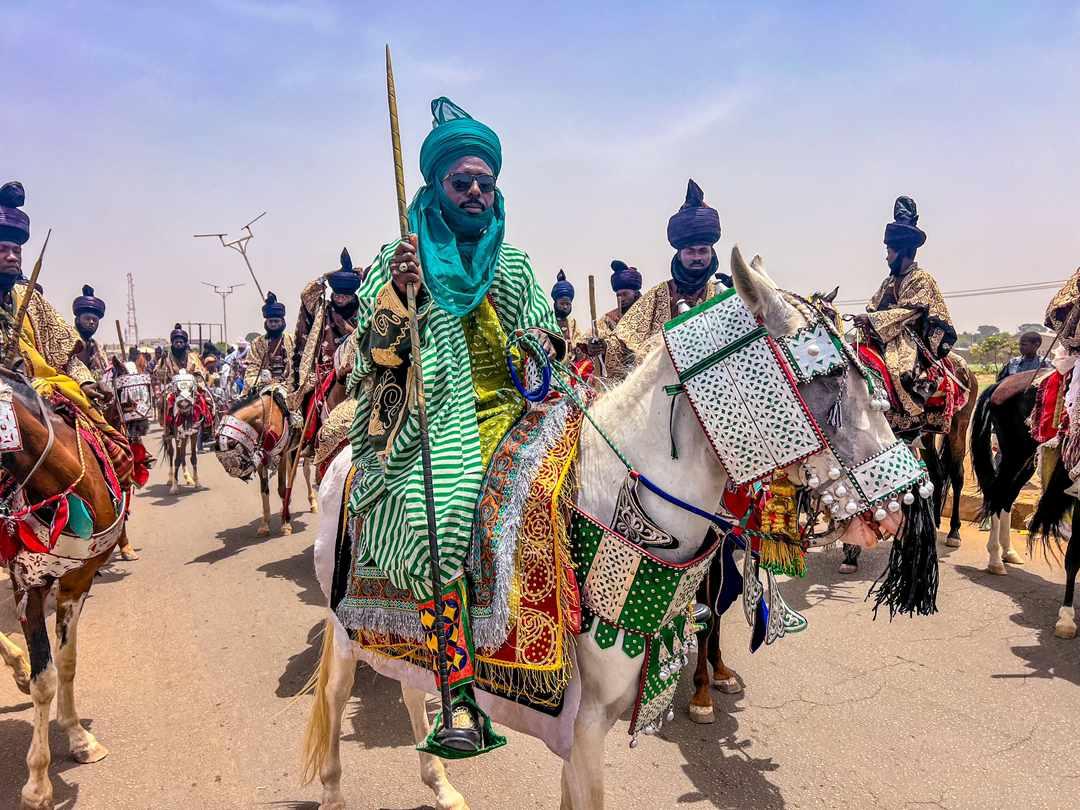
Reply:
x=240 y=246
x=224 y=292
x=132 y=322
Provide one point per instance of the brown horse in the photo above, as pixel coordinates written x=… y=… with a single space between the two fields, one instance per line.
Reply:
x=946 y=465
x=54 y=459
x=257 y=436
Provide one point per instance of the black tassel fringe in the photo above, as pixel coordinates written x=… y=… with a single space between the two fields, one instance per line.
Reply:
x=910 y=583
x=1051 y=510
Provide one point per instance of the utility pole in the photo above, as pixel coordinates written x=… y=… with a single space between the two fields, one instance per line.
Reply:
x=240 y=246
x=132 y=323
x=224 y=292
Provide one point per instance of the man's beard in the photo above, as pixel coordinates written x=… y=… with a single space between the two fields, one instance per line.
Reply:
x=562 y=315
x=8 y=279
x=896 y=265
x=86 y=334
x=273 y=333
x=349 y=310
x=179 y=354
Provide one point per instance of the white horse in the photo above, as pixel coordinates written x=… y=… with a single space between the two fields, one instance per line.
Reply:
x=184 y=433
x=635 y=415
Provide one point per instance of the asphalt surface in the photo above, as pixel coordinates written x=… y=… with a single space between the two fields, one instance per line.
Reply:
x=189 y=659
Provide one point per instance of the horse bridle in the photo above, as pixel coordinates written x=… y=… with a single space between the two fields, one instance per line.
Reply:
x=249 y=452
x=44 y=414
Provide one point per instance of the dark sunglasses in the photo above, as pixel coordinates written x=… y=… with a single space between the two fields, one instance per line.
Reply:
x=463 y=182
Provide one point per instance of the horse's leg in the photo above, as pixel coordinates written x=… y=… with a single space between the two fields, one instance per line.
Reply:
x=701 y=705
x=283 y=492
x=195 y=456
x=312 y=495
x=850 y=563
x=724 y=679
x=264 y=491
x=126 y=550
x=37 y=793
x=994 y=564
x=432 y=772
x=1008 y=553
x=1066 y=623
x=15 y=658
x=84 y=746
x=336 y=675
x=956 y=476
x=170 y=454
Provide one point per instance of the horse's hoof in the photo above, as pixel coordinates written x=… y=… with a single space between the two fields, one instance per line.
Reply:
x=729 y=686
x=286 y=528
x=314 y=507
x=702 y=714
x=848 y=568
x=1066 y=624
x=95 y=752
x=127 y=553
x=952 y=542
x=332 y=804
x=36 y=801
x=997 y=569
x=452 y=803
x=263 y=531
x=1012 y=558
x=174 y=489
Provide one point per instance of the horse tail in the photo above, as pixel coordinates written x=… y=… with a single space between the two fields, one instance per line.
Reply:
x=317 y=735
x=1051 y=510
x=982 y=453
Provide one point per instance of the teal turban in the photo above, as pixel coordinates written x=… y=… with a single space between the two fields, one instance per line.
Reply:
x=459 y=252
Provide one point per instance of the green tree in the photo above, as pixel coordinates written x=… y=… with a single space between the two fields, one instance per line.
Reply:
x=995 y=348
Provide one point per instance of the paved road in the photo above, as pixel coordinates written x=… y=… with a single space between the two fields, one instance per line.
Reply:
x=190 y=656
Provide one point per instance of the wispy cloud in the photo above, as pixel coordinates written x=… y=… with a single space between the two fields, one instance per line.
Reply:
x=314 y=13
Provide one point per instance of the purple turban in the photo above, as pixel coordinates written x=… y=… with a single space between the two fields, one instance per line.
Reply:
x=14 y=224
x=88 y=302
x=562 y=288
x=695 y=223
x=903 y=232
x=345 y=281
x=273 y=308
x=624 y=277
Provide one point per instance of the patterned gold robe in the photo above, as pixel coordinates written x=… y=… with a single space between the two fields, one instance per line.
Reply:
x=50 y=346
x=1063 y=314
x=257 y=361
x=904 y=310
x=632 y=338
x=169 y=368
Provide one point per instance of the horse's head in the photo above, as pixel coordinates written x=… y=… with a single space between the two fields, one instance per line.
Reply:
x=848 y=483
x=253 y=434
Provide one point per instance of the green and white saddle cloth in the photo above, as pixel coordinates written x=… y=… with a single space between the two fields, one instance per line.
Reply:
x=627 y=590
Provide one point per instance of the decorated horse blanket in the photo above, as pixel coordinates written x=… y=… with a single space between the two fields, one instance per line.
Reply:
x=521 y=596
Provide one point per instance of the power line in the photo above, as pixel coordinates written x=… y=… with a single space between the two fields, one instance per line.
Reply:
x=975 y=292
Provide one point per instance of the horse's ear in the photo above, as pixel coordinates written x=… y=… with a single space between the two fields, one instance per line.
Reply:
x=830 y=297
x=760 y=294
x=758 y=264
x=118 y=367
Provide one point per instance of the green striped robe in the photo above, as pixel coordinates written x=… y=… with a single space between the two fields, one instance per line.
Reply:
x=389 y=503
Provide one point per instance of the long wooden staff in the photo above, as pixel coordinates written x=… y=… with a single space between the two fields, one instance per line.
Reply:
x=123 y=348
x=20 y=316
x=421 y=407
x=592 y=312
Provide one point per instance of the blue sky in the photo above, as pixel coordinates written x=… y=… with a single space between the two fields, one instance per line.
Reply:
x=136 y=125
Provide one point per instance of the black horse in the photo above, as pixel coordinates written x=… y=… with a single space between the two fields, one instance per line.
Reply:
x=1046 y=524
x=1000 y=480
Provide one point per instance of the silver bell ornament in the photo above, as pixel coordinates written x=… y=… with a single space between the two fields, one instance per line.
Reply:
x=827 y=499
x=880 y=514
x=851 y=507
x=841 y=491
x=813 y=482
x=834 y=473
x=670 y=715
x=908 y=499
x=633 y=742
x=894 y=505
x=813 y=350
x=926 y=490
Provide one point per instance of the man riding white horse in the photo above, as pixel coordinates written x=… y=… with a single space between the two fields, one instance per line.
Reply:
x=477 y=289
